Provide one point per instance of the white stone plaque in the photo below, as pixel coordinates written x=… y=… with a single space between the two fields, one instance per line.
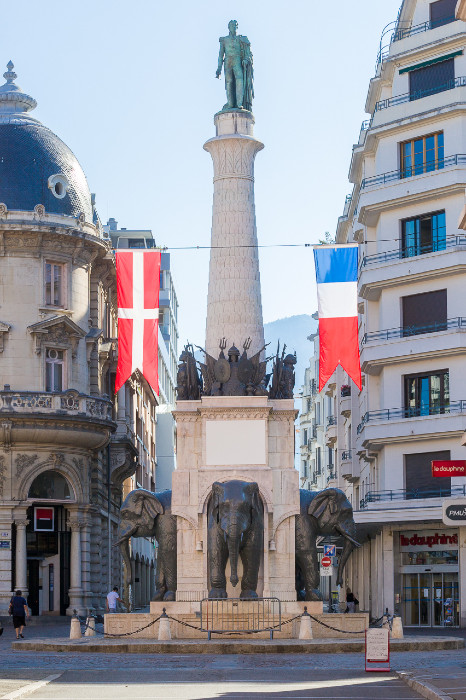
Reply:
x=235 y=442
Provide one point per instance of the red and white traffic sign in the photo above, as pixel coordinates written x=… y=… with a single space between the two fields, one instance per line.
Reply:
x=326 y=561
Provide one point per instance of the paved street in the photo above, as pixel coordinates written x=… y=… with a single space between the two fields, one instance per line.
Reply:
x=195 y=677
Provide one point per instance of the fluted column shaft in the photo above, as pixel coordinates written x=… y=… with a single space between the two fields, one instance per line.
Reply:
x=21 y=556
x=234 y=307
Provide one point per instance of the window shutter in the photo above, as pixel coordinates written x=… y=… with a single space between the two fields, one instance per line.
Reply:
x=428 y=309
x=442 y=12
x=418 y=473
x=431 y=79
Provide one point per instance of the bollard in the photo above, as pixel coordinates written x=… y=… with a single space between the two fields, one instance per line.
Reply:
x=90 y=626
x=75 y=629
x=305 y=628
x=397 y=627
x=164 y=627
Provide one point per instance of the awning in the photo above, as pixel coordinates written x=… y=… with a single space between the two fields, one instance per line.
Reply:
x=439 y=59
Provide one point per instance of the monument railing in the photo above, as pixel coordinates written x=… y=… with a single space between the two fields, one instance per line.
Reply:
x=239 y=615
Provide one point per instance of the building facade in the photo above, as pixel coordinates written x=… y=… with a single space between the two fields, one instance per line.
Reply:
x=67 y=443
x=409 y=182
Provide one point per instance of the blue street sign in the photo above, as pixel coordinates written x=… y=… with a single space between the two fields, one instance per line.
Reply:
x=329 y=550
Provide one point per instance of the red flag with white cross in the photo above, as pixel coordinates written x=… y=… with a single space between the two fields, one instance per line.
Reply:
x=138 y=286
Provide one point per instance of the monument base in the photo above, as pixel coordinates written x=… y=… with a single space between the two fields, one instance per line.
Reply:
x=187 y=613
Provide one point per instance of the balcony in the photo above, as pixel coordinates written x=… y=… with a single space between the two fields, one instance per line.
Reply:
x=396 y=495
x=85 y=421
x=402 y=174
x=419 y=94
x=407 y=331
x=412 y=251
x=379 y=428
x=331 y=431
x=404 y=33
x=379 y=272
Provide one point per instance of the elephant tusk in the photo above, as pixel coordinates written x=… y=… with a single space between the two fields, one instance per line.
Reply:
x=126 y=536
x=347 y=536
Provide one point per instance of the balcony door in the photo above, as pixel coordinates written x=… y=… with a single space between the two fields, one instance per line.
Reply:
x=427 y=394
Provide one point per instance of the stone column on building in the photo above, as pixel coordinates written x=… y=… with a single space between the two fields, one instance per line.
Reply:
x=462 y=574
x=76 y=593
x=86 y=561
x=21 y=556
x=234 y=307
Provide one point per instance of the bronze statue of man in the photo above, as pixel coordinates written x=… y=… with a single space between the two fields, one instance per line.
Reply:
x=236 y=57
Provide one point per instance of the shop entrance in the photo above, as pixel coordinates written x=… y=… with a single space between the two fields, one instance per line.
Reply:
x=430 y=599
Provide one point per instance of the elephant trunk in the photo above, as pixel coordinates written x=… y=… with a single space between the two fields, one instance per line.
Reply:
x=233 y=540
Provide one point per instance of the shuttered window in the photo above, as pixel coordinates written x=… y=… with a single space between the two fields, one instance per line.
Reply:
x=442 y=12
x=431 y=79
x=424 y=313
x=419 y=481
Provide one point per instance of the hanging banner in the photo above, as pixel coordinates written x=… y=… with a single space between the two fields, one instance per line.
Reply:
x=138 y=286
x=337 y=295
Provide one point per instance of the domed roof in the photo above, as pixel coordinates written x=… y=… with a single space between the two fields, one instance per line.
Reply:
x=36 y=167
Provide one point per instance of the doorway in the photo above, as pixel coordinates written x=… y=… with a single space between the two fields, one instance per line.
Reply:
x=430 y=599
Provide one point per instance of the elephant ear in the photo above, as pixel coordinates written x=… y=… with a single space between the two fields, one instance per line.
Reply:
x=217 y=497
x=256 y=505
x=325 y=499
x=147 y=502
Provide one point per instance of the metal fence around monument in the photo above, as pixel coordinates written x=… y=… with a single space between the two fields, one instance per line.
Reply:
x=240 y=616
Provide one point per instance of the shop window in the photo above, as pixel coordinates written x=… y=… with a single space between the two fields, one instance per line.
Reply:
x=424 y=313
x=419 y=481
x=427 y=394
x=423 y=234
x=54 y=369
x=422 y=155
x=50 y=484
x=54 y=284
x=431 y=79
x=442 y=12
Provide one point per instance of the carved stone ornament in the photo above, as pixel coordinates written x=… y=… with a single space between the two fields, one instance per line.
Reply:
x=5 y=434
x=58 y=330
x=4 y=328
x=24 y=461
x=3 y=211
x=39 y=211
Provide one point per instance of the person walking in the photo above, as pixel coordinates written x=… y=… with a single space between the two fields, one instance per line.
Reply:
x=351 y=601
x=112 y=599
x=19 y=609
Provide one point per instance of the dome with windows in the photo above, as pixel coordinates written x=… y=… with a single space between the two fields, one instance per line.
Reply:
x=36 y=167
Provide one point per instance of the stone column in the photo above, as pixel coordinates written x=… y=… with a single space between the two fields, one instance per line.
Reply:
x=234 y=307
x=76 y=592
x=462 y=574
x=21 y=557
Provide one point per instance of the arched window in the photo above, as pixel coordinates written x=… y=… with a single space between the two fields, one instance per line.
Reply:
x=50 y=484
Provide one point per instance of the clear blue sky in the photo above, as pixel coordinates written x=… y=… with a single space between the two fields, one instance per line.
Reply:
x=130 y=87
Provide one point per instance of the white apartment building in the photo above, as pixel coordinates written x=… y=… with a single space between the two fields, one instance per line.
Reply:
x=409 y=177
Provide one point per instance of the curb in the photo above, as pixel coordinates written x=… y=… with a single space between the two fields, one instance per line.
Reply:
x=427 y=690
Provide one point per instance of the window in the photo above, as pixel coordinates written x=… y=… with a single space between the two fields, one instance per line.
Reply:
x=54 y=284
x=136 y=243
x=318 y=422
x=305 y=468
x=330 y=457
x=418 y=475
x=54 y=363
x=424 y=313
x=423 y=234
x=431 y=79
x=427 y=394
x=305 y=436
x=318 y=460
x=422 y=155
x=442 y=12
x=50 y=484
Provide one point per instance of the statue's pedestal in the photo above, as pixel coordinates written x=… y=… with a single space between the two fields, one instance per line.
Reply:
x=249 y=438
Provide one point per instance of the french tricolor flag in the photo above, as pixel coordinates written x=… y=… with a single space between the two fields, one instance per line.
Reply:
x=337 y=295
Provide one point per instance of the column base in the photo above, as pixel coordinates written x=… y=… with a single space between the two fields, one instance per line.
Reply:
x=76 y=602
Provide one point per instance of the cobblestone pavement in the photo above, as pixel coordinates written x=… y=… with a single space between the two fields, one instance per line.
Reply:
x=193 y=677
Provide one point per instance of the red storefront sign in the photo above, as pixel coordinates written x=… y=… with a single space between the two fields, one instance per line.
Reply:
x=449 y=467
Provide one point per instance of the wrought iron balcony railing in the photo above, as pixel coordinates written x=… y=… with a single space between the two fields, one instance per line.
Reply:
x=345 y=390
x=412 y=251
x=419 y=94
x=409 y=494
x=70 y=403
x=404 y=33
x=407 y=331
x=346 y=455
x=331 y=420
x=402 y=173
x=387 y=414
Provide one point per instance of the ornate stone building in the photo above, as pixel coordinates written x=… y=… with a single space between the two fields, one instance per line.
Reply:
x=66 y=443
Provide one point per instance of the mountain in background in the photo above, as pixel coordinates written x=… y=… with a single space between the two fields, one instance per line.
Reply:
x=293 y=331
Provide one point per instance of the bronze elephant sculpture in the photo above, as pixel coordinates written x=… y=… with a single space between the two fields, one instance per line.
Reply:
x=326 y=512
x=235 y=523
x=147 y=514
